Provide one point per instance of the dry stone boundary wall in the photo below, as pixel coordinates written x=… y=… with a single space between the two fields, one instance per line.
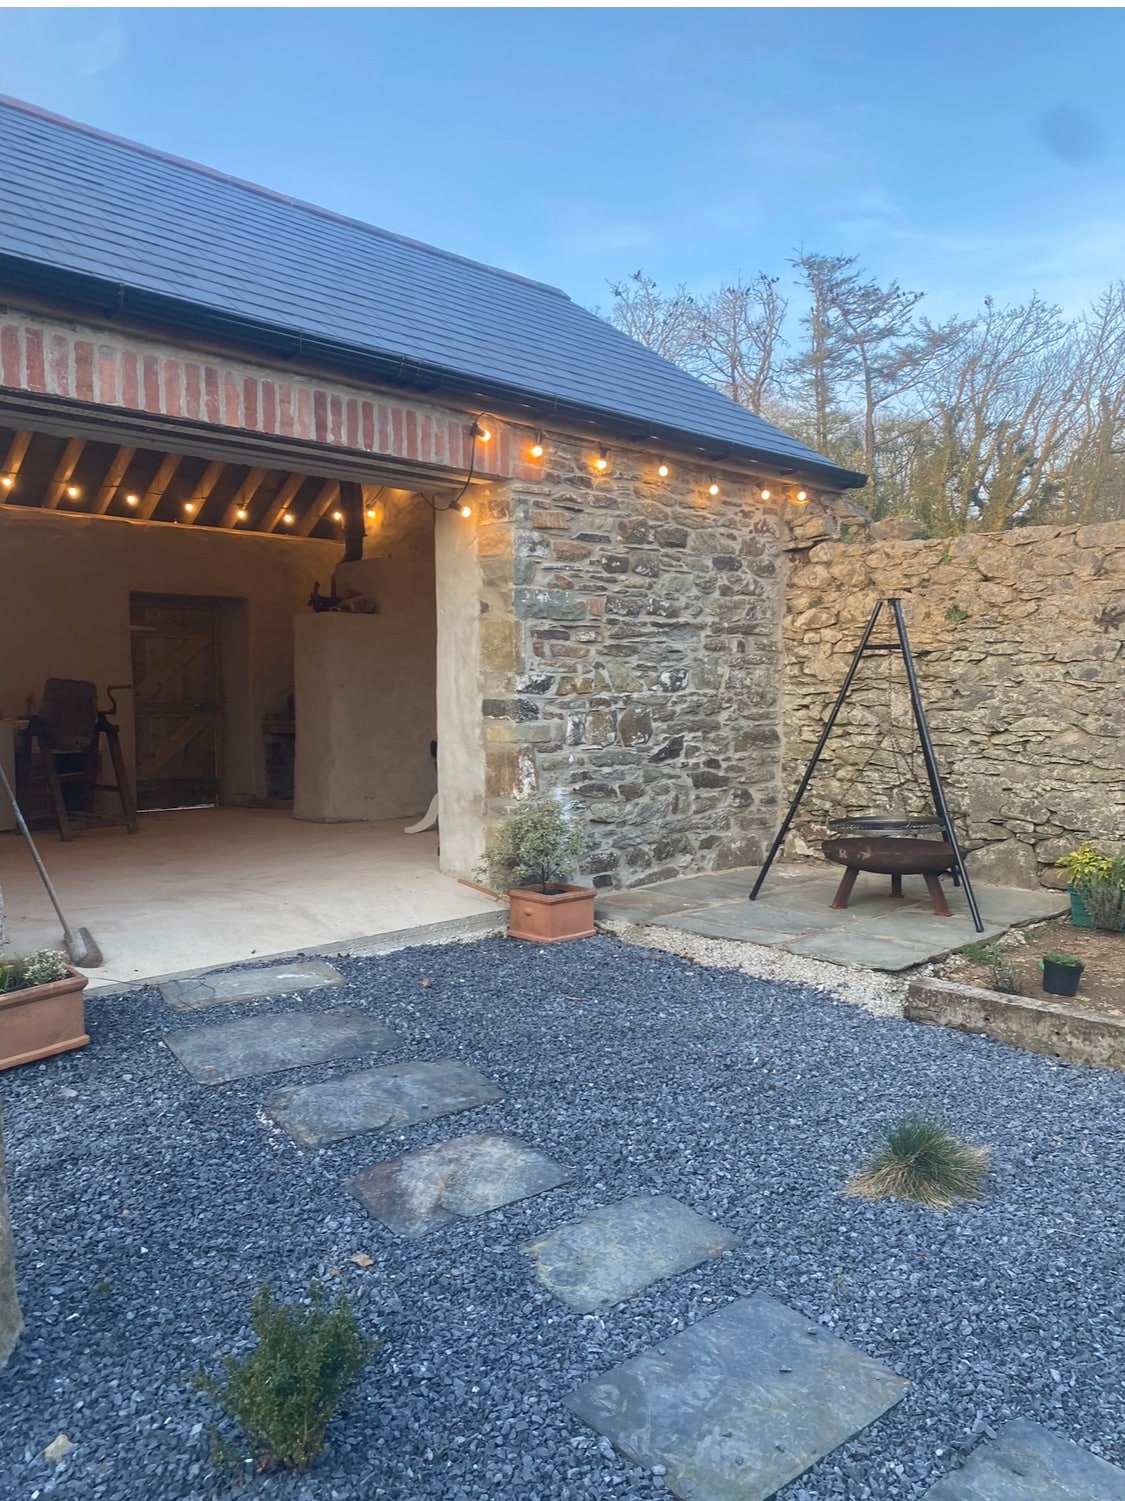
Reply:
x=1020 y=639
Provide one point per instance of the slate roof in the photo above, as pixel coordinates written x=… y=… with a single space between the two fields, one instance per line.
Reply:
x=101 y=220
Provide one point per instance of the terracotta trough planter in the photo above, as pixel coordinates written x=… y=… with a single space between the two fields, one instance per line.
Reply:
x=551 y=917
x=42 y=1020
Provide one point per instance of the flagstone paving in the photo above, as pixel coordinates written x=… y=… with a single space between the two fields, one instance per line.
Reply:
x=739 y=1404
x=271 y=1044
x=227 y=987
x=381 y=1099
x=1030 y=1463
x=423 y=1191
x=616 y=1252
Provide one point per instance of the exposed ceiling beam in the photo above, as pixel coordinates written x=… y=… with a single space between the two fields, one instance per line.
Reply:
x=65 y=467
x=279 y=505
x=17 y=448
x=245 y=493
x=111 y=481
x=202 y=492
x=160 y=482
x=322 y=502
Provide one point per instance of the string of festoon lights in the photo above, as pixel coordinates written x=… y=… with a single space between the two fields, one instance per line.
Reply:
x=481 y=432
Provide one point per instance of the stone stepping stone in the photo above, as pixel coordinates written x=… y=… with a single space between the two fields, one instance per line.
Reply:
x=382 y=1099
x=270 y=1044
x=618 y=1251
x=229 y=986
x=1030 y=1463
x=421 y=1191
x=739 y=1404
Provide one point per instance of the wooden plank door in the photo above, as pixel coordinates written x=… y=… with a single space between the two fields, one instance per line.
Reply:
x=177 y=700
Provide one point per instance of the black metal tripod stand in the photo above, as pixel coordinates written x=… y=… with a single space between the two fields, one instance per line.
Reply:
x=941 y=807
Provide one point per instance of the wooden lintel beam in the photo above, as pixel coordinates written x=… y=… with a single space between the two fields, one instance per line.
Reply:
x=160 y=482
x=322 y=502
x=111 y=480
x=65 y=467
x=17 y=449
x=202 y=492
x=251 y=484
x=279 y=505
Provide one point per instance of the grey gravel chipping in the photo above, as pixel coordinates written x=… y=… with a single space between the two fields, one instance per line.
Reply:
x=147 y=1209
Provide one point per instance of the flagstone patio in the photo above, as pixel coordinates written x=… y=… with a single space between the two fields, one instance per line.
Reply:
x=793 y=912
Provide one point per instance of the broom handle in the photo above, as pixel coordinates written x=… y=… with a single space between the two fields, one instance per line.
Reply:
x=26 y=832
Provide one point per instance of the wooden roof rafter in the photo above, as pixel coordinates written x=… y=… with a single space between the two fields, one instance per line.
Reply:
x=251 y=483
x=159 y=484
x=63 y=472
x=279 y=506
x=201 y=494
x=319 y=507
x=17 y=451
x=111 y=480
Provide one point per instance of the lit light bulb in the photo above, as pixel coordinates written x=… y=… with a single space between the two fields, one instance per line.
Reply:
x=337 y=515
x=288 y=519
x=132 y=500
x=481 y=433
x=466 y=511
x=802 y=496
x=189 y=507
x=7 y=482
x=537 y=447
x=663 y=471
x=765 y=494
x=371 y=514
x=241 y=513
x=73 y=492
x=601 y=463
x=712 y=488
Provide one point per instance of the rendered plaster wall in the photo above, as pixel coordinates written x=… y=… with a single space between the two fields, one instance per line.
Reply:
x=630 y=659
x=366 y=683
x=65 y=583
x=1020 y=640
x=462 y=630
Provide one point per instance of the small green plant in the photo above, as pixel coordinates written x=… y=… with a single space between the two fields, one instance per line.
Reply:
x=1002 y=973
x=40 y=968
x=285 y=1392
x=922 y=1163
x=539 y=845
x=1068 y=960
x=956 y=615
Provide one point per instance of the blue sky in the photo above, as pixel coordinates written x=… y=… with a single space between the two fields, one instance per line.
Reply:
x=963 y=152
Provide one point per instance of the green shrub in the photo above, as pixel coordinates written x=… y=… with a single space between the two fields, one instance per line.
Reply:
x=923 y=1164
x=1067 y=959
x=1099 y=880
x=285 y=1392
x=538 y=845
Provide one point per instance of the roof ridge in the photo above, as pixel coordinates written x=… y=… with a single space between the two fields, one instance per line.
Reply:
x=24 y=107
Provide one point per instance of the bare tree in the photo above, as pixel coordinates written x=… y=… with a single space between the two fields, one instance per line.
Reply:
x=738 y=339
x=668 y=324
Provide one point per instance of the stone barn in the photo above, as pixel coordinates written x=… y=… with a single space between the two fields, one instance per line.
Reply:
x=304 y=497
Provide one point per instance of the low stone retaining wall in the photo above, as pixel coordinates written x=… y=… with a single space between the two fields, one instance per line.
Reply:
x=1057 y=1027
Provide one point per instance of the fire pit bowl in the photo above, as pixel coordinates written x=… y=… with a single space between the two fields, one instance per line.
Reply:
x=896 y=858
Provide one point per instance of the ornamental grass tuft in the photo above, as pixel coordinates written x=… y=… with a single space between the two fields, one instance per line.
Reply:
x=921 y=1163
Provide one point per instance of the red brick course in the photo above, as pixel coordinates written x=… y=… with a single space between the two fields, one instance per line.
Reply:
x=122 y=372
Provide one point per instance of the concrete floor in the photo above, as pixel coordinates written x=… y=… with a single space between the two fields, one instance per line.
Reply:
x=214 y=886
x=792 y=913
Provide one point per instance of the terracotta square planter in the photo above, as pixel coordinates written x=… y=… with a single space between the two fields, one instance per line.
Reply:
x=552 y=917
x=42 y=1020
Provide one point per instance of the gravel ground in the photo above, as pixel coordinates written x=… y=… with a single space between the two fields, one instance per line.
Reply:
x=148 y=1208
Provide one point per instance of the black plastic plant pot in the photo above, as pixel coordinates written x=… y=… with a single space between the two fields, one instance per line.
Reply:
x=1061 y=979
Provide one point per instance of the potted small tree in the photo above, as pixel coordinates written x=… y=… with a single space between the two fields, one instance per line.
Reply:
x=1096 y=887
x=42 y=1008
x=531 y=855
x=1061 y=974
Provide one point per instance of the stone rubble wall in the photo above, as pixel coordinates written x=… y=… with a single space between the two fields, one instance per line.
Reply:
x=630 y=646
x=1020 y=645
